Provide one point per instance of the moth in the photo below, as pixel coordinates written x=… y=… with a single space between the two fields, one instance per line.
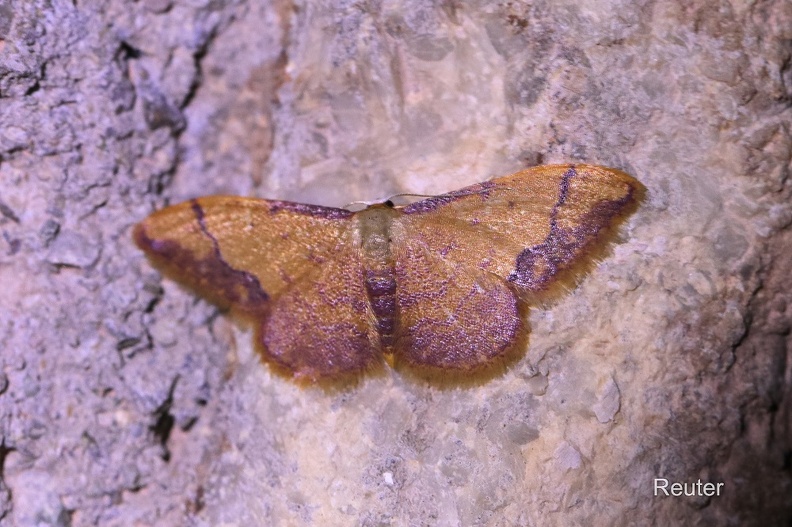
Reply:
x=442 y=284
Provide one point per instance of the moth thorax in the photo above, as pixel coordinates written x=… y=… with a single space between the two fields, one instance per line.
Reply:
x=379 y=276
x=375 y=226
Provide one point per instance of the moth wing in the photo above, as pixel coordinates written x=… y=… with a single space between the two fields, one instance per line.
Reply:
x=536 y=229
x=292 y=268
x=240 y=252
x=451 y=316
x=464 y=258
x=322 y=326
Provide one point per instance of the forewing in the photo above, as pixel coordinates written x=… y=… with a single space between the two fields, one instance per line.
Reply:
x=241 y=252
x=531 y=228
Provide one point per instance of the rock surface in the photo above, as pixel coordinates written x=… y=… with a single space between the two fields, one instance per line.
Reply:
x=126 y=401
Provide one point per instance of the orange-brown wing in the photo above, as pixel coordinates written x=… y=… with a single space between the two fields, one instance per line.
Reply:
x=322 y=326
x=262 y=258
x=450 y=316
x=520 y=234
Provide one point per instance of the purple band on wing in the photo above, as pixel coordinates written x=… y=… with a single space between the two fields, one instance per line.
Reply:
x=537 y=266
x=317 y=211
x=232 y=285
x=428 y=205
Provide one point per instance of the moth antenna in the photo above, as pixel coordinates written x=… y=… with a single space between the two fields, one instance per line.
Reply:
x=412 y=195
x=362 y=204
x=353 y=205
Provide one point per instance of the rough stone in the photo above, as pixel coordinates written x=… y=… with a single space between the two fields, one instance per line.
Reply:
x=73 y=249
x=124 y=400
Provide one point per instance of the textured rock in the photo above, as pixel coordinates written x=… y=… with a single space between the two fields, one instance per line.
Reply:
x=125 y=400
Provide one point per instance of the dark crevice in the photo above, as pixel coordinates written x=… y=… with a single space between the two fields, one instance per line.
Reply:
x=162 y=429
x=163 y=425
x=198 y=57
x=197 y=80
x=196 y=504
x=33 y=89
x=127 y=51
x=4 y=451
x=7 y=212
